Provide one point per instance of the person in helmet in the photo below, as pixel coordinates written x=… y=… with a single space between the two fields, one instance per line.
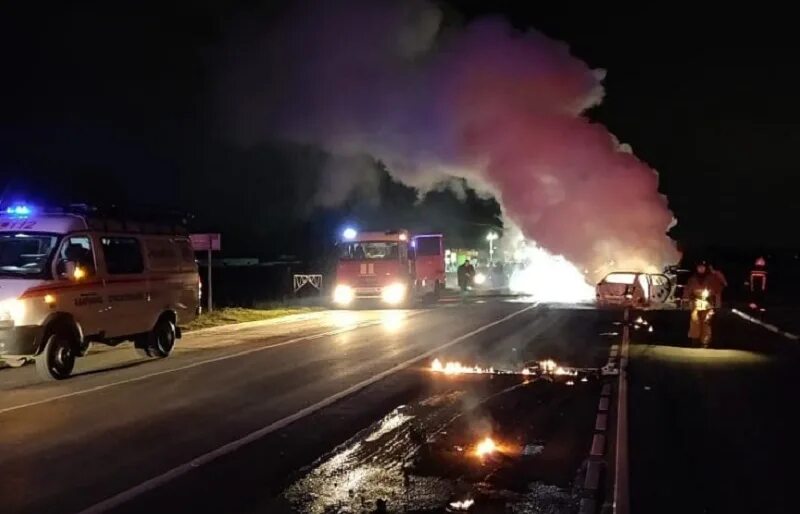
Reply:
x=703 y=293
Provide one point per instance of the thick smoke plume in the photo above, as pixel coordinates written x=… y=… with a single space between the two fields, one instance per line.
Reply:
x=502 y=108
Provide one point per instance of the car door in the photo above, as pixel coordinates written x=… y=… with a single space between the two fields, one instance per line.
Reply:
x=126 y=285
x=660 y=289
x=79 y=290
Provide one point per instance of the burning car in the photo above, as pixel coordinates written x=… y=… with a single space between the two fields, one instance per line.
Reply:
x=634 y=289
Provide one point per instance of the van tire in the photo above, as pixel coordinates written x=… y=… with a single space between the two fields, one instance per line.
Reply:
x=142 y=346
x=162 y=338
x=57 y=358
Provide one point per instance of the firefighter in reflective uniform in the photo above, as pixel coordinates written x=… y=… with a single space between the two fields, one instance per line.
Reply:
x=703 y=294
x=758 y=284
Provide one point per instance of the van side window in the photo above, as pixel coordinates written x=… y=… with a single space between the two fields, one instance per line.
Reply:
x=123 y=255
x=75 y=257
x=161 y=254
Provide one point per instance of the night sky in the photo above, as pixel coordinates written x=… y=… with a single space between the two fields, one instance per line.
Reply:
x=118 y=101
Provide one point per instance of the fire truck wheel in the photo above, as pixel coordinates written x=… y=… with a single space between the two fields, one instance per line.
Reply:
x=58 y=356
x=162 y=338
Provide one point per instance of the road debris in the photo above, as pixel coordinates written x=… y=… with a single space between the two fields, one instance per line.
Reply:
x=532 y=449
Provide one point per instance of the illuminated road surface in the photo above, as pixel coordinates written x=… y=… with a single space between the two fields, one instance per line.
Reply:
x=713 y=430
x=121 y=426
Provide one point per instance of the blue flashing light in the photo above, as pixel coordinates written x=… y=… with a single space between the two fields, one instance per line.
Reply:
x=349 y=233
x=19 y=210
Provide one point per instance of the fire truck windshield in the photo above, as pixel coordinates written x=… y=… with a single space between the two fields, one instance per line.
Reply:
x=369 y=250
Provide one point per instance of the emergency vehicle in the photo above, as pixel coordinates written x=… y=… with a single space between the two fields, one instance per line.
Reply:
x=392 y=267
x=71 y=277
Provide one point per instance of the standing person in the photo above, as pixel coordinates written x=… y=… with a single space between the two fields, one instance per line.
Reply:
x=723 y=282
x=758 y=283
x=703 y=293
x=470 y=272
x=461 y=272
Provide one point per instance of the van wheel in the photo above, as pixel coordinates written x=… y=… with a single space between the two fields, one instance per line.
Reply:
x=84 y=349
x=162 y=339
x=58 y=357
x=142 y=346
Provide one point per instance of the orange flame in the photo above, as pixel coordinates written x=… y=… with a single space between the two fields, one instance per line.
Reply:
x=456 y=368
x=547 y=367
x=485 y=447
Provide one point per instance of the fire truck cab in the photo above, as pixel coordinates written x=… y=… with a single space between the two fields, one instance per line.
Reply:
x=392 y=267
x=70 y=277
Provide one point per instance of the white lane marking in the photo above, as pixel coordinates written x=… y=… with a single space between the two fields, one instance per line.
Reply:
x=157 y=481
x=771 y=328
x=621 y=496
x=182 y=368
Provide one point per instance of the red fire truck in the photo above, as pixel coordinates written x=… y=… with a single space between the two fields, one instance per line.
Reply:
x=392 y=267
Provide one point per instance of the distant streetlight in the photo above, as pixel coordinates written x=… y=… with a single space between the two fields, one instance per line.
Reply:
x=491 y=237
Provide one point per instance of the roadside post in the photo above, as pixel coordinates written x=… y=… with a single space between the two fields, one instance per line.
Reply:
x=208 y=243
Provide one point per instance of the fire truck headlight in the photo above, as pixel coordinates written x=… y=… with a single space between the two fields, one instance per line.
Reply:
x=343 y=294
x=480 y=278
x=12 y=309
x=394 y=293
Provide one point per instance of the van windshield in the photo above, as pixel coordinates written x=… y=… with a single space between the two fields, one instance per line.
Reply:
x=25 y=255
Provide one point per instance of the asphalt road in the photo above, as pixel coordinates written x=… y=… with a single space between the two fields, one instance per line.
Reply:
x=713 y=430
x=123 y=433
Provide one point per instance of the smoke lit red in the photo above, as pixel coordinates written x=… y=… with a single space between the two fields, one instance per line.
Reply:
x=502 y=108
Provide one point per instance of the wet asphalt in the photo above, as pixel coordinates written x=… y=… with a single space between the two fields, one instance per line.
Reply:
x=713 y=430
x=68 y=446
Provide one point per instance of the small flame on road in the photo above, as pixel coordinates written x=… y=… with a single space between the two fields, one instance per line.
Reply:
x=551 y=367
x=462 y=504
x=456 y=368
x=546 y=367
x=485 y=447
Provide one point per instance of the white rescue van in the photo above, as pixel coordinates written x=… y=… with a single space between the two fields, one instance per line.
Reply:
x=69 y=279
